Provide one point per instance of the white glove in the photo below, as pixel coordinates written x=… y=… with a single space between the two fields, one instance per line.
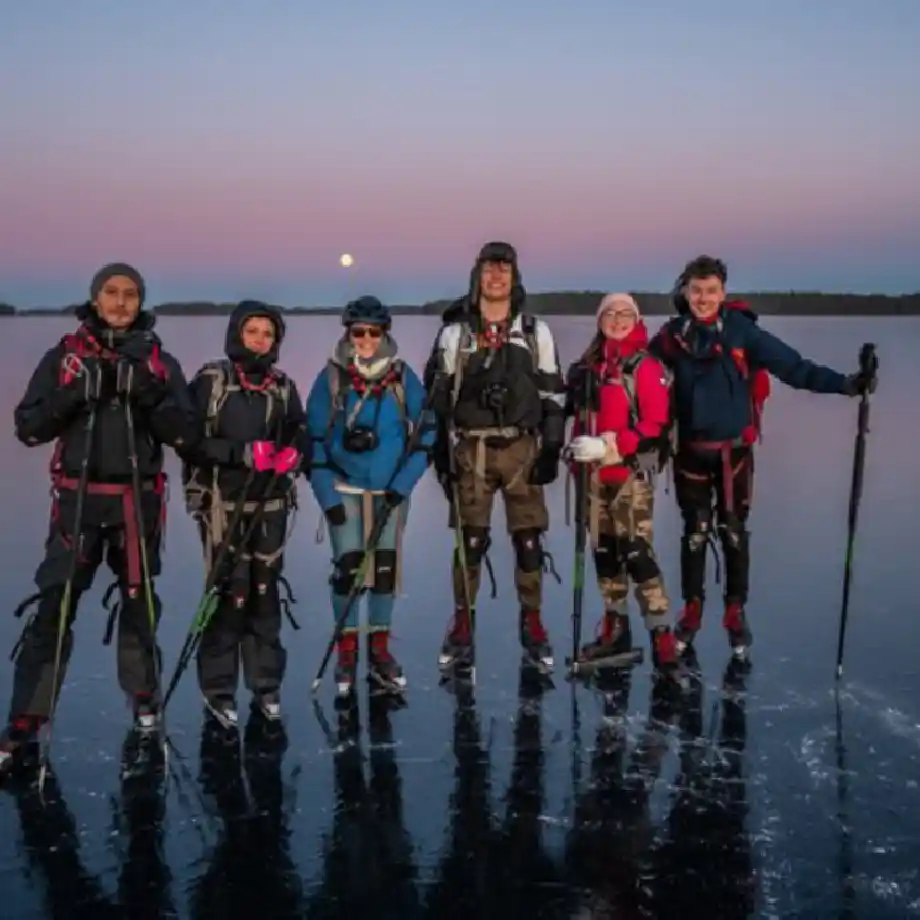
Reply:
x=587 y=449
x=612 y=455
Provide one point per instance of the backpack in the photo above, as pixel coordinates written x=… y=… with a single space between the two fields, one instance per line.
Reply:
x=224 y=382
x=666 y=443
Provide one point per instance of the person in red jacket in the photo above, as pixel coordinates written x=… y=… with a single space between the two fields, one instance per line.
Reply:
x=622 y=393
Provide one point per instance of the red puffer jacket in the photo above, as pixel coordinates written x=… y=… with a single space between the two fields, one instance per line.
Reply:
x=613 y=415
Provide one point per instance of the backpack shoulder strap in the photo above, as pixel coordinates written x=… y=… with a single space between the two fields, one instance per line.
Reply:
x=399 y=386
x=628 y=371
x=221 y=377
x=529 y=328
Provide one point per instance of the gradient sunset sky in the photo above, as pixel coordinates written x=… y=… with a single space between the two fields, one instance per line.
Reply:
x=236 y=148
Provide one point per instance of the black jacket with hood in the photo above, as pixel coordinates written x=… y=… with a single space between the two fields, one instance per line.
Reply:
x=245 y=398
x=53 y=410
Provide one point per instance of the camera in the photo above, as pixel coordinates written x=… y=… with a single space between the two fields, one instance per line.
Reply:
x=493 y=397
x=360 y=440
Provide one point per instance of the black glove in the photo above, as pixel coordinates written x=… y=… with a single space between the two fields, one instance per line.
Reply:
x=336 y=515
x=581 y=389
x=137 y=381
x=393 y=499
x=86 y=381
x=545 y=468
x=860 y=384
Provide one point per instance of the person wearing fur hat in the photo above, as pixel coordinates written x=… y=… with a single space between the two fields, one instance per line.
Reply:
x=110 y=397
x=501 y=403
x=620 y=398
x=254 y=437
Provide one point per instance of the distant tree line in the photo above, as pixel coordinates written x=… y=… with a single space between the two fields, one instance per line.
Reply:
x=583 y=303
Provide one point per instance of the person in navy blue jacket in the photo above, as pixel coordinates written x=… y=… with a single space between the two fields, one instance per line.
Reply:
x=360 y=413
x=720 y=360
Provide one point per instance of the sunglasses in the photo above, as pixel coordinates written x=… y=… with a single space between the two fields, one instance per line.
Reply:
x=359 y=332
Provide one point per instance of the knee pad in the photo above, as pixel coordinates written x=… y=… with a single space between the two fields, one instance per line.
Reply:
x=608 y=557
x=640 y=562
x=476 y=543
x=732 y=533
x=528 y=550
x=697 y=530
x=385 y=571
x=345 y=571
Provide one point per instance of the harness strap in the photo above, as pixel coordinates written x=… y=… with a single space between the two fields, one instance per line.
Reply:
x=131 y=535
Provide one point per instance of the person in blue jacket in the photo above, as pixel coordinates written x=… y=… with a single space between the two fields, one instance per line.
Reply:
x=720 y=360
x=360 y=414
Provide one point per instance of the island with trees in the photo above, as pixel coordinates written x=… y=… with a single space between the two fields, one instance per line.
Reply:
x=579 y=303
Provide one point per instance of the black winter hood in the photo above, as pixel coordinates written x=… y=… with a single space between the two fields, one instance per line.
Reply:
x=233 y=345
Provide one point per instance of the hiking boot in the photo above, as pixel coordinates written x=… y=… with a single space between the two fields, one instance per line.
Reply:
x=664 y=649
x=269 y=705
x=688 y=624
x=739 y=635
x=535 y=641
x=346 y=669
x=614 y=637
x=457 y=647
x=15 y=739
x=146 y=715
x=222 y=709
x=382 y=667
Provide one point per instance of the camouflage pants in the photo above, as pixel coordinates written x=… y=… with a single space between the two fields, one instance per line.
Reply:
x=482 y=471
x=622 y=542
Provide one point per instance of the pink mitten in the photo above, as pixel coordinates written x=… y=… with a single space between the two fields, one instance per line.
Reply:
x=287 y=460
x=263 y=456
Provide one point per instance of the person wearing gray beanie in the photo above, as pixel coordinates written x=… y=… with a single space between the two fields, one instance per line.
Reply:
x=111 y=398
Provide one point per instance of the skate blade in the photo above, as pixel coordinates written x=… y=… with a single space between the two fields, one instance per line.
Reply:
x=586 y=667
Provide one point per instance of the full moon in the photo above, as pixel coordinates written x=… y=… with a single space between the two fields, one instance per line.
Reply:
x=346 y=261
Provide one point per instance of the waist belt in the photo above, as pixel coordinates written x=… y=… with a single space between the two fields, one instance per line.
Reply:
x=509 y=433
x=105 y=488
x=728 y=469
x=716 y=445
x=274 y=504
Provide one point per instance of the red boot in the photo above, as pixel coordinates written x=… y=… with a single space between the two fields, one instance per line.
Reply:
x=739 y=634
x=688 y=624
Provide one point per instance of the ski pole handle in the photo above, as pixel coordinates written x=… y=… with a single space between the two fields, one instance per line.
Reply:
x=868 y=360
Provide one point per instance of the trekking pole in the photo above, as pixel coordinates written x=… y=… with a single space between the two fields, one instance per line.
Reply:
x=67 y=594
x=845 y=859
x=145 y=562
x=581 y=524
x=868 y=369
x=373 y=539
x=218 y=574
x=460 y=550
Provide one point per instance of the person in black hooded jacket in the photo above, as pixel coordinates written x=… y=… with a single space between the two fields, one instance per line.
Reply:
x=253 y=437
x=110 y=397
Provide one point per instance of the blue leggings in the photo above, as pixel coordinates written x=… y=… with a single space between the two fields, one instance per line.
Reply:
x=348 y=553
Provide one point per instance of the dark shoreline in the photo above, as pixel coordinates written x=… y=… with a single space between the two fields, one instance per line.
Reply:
x=580 y=303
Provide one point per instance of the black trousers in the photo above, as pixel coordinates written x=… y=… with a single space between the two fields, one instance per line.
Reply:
x=247 y=623
x=714 y=490
x=108 y=534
